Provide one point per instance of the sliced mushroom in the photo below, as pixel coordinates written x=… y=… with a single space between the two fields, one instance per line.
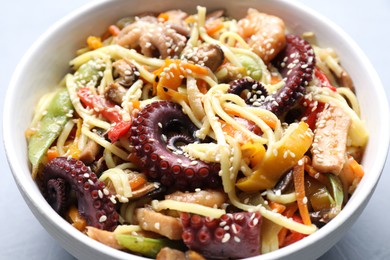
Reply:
x=209 y=55
x=346 y=81
x=125 y=73
x=90 y=152
x=115 y=93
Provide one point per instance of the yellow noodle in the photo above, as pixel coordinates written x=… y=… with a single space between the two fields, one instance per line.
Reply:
x=115 y=52
x=351 y=97
x=195 y=98
x=119 y=180
x=202 y=31
x=282 y=198
x=64 y=136
x=187 y=207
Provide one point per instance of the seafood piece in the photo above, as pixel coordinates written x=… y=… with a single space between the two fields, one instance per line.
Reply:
x=157 y=133
x=296 y=63
x=208 y=198
x=125 y=73
x=330 y=140
x=154 y=38
x=264 y=33
x=167 y=226
x=90 y=152
x=234 y=235
x=61 y=176
x=115 y=93
x=103 y=236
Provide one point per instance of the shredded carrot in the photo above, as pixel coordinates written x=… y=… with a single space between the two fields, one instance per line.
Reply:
x=195 y=68
x=202 y=86
x=214 y=26
x=52 y=153
x=113 y=30
x=233 y=132
x=315 y=174
x=137 y=182
x=299 y=184
x=163 y=17
x=136 y=103
x=288 y=212
x=275 y=79
x=277 y=207
x=94 y=42
x=77 y=220
x=356 y=167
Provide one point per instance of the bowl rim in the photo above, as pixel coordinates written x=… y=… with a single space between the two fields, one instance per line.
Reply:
x=34 y=199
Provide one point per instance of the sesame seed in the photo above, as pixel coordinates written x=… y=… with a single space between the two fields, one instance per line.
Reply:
x=157 y=225
x=225 y=238
x=100 y=193
x=102 y=218
x=237 y=239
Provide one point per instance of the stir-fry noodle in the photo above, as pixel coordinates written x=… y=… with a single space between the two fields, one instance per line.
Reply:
x=177 y=133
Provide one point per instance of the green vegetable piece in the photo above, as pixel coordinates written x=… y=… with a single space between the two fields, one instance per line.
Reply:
x=89 y=72
x=321 y=200
x=148 y=247
x=338 y=193
x=50 y=126
x=252 y=67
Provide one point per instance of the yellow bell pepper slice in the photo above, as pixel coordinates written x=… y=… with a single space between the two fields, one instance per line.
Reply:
x=286 y=153
x=254 y=151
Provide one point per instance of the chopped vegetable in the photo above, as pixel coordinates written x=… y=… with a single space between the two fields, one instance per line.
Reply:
x=299 y=184
x=338 y=193
x=76 y=219
x=214 y=26
x=94 y=42
x=89 y=72
x=146 y=246
x=49 y=127
x=323 y=79
x=286 y=153
x=170 y=76
x=253 y=69
x=108 y=110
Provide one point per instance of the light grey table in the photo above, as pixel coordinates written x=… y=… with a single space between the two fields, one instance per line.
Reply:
x=21 y=23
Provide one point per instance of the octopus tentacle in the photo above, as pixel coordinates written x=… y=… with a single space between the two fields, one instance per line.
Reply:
x=94 y=201
x=56 y=195
x=157 y=125
x=235 y=235
x=255 y=90
x=296 y=64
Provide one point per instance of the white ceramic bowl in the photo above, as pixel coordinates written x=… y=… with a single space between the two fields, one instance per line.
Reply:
x=47 y=62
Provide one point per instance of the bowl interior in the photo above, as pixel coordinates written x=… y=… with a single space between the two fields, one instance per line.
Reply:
x=47 y=62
